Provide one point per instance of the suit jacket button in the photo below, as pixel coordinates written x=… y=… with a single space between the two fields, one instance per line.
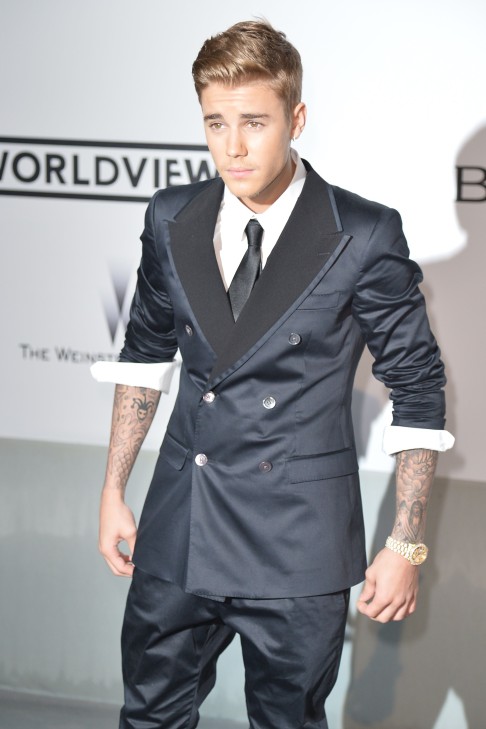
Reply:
x=189 y=331
x=269 y=402
x=265 y=466
x=201 y=459
x=209 y=396
x=295 y=339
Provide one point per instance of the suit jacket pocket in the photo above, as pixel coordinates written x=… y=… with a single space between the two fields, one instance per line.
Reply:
x=321 y=301
x=322 y=466
x=173 y=452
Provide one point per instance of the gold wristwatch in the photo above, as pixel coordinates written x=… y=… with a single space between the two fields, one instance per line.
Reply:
x=415 y=553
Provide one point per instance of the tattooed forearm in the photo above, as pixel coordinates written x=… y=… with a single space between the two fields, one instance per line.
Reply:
x=133 y=411
x=414 y=473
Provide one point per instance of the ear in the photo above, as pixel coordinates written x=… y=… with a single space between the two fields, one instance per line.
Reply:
x=299 y=116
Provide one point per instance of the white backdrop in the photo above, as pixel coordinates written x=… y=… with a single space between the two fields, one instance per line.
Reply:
x=394 y=90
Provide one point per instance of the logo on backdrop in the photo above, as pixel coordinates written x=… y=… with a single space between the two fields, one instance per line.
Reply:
x=95 y=170
x=116 y=306
x=470 y=184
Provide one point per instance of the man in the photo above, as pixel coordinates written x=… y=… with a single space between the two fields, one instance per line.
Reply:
x=269 y=281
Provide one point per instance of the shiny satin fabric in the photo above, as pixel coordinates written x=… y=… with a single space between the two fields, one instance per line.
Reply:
x=258 y=501
x=171 y=641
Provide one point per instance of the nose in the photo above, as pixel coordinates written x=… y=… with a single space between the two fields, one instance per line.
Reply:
x=235 y=146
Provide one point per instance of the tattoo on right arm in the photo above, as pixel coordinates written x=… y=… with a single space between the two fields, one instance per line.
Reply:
x=133 y=411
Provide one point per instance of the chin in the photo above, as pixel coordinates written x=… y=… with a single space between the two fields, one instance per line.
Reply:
x=242 y=190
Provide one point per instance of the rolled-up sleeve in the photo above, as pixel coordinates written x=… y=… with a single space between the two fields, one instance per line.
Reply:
x=391 y=313
x=150 y=335
x=156 y=376
x=399 y=438
x=147 y=356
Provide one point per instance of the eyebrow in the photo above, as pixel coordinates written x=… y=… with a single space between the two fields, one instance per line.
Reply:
x=215 y=117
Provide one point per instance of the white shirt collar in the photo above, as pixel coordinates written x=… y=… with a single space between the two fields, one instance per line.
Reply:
x=232 y=209
x=229 y=236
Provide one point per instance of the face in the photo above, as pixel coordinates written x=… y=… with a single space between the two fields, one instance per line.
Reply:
x=248 y=133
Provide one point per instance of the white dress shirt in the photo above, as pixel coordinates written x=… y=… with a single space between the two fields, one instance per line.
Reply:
x=230 y=245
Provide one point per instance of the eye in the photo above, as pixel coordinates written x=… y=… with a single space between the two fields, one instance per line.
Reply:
x=254 y=124
x=216 y=126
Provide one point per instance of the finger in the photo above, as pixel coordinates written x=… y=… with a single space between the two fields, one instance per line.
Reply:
x=393 y=611
x=120 y=568
x=405 y=612
x=119 y=562
x=386 y=615
x=377 y=607
x=371 y=610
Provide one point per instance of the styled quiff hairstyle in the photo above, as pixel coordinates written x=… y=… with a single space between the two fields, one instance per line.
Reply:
x=251 y=51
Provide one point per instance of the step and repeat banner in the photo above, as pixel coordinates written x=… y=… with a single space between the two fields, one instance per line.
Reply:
x=98 y=111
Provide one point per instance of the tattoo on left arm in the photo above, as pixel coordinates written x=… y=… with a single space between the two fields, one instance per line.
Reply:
x=414 y=474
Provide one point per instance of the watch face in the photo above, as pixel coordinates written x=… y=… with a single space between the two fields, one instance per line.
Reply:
x=419 y=554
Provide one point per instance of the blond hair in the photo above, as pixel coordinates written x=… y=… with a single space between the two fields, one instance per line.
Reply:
x=251 y=51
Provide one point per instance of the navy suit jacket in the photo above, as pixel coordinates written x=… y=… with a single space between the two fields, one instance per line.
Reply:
x=256 y=490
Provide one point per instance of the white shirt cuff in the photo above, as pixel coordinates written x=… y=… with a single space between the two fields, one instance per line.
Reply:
x=156 y=376
x=398 y=438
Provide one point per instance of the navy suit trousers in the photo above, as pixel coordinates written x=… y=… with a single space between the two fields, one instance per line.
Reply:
x=171 y=641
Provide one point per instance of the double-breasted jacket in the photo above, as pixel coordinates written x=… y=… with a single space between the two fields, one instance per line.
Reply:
x=256 y=490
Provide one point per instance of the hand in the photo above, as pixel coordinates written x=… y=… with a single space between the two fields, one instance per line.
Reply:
x=117 y=524
x=391 y=587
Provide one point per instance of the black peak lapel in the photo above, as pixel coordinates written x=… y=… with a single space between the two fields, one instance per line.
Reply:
x=302 y=255
x=192 y=246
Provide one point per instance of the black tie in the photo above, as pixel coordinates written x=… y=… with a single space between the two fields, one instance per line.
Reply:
x=248 y=270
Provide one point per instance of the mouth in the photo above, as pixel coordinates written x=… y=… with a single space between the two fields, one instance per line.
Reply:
x=238 y=172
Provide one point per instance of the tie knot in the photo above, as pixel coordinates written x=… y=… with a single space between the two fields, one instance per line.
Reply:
x=254 y=233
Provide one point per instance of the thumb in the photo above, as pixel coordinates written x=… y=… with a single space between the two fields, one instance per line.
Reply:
x=367 y=592
x=131 y=543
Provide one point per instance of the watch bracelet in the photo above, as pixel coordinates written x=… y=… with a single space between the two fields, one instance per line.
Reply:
x=402 y=548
